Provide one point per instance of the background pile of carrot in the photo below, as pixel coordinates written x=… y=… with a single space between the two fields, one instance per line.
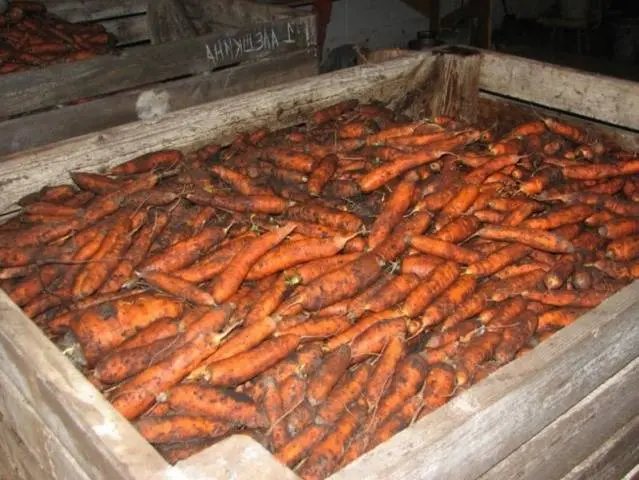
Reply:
x=30 y=37
x=322 y=287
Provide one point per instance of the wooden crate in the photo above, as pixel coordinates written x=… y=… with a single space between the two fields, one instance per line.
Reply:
x=568 y=409
x=246 y=48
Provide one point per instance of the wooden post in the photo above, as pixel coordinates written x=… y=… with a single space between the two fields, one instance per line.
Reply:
x=451 y=89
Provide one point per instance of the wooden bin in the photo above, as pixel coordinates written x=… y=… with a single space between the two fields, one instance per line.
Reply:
x=568 y=409
x=251 y=47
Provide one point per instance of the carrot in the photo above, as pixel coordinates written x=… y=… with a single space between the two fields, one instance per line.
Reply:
x=95 y=182
x=327 y=375
x=439 y=385
x=539 y=239
x=293 y=390
x=461 y=202
x=445 y=304
x=339 y=284
x=422 y=296
x=560 y=272
x=618 y=228
x=346 y=391
x=392 y=353
x=489 y=216
x=397 y=204
x=446 y=250
x=148 y=162
x=361 y=326
x=325 y=456
x=212 y=402
x=238 y=181
x=321 y=174
x=409 y=376
x=623 y=249
x=435 y=201
x=293 y=253
x=608 y=187
x=180 y=428
x=300 y=446
x=569 y=298
x=387 y=172
x=469 y=308
x=230 y=279
x=480 y=174
x=184 y=253
x=420 y=265
x=399 y=240
x=504 y=313
x=136 y=395
x=515 y=336
x=333 y=112
x=372 y=340
x=499 y=290
x=393 y=292
x=315 y=213
x=178 y=287
x=175 y=452
x=290 y=159
x=568 y=215
x=215 y=262
x=316 y=328
x=135 y=254
x=519 y=269
x=270 y=204
x=124 y=363
x=440 y=337
x=601 y=170
x=598 y=219
x=614 y=269
x=474 y=353
x=581 y=278
x=569 y=132
x=401 y=419
x=558 y=318
x=272 y=401
x=458 y=229
x=535 y=127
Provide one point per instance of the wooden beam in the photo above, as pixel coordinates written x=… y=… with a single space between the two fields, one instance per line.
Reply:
x=59 y=84
x=422 y=6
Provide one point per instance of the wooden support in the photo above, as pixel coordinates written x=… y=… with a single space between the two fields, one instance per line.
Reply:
x=455 y=79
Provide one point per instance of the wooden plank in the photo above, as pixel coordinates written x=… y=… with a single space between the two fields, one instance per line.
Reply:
x=220 y=121
x=238 y=13
x=128 y=30
x=16 y=462
x=80 y=11
x=32 y=445
x=577 y=433
x=40 y=129
x=510 y=112
x=485 y=424
x=96 y=436
x=137 y=66
x=615 y=458
x=605 y=99
x=168 y=22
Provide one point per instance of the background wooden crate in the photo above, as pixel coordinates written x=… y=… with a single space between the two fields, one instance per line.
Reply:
x=568 y=409
x=247 y=47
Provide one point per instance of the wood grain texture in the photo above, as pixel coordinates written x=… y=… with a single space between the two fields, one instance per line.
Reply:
x=501 y=413
x=167 y=22
x=43 y=128
x=615 y=458
x=104 y=444
x=593 y=96
x=128 y=30
x=577 y=433
x=79 y=11
x=274 y=107
x=137 y=66
x=28 y=449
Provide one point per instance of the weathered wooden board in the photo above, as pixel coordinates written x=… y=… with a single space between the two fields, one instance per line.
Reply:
x=616 y=457
x=137 y=66
x=50 y=126
x=79 y=11
x=577 y=433
x=128 y=30
x=605 y=99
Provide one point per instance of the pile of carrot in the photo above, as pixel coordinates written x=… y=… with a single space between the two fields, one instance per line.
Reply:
x=322 y=287
x=32 y=37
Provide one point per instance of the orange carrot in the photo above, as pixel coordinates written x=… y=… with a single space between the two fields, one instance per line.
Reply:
x=535 y=127
x=619 y=227
x=290 y=159
x=181 y=428
x=399 y=240
x=567 y=131
x=480 y=174
x=445 y=304
x=270 y=204
x=421 y=297
x=392 y=211
x=471 y=307
x=346 y=391
x=321 y=174
x=317 y=328
x=393 y=292
x=327 y=375
x=601 y=170
x=148 y=162
x=392 y=353
x=461 y=202
x=420 y=265
x=458 y=229
x=539 y=239
x=439 y=385
x=372 y=340
x=238 y=181
x=300 y=446
x=569 y=298
x=272 y=401
x=446 y=250
x=178 y=287
x=330 y=217
x=568 y=215
x=559 y=318
x=515 y=336
x=230 y=279
x=474 y=353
